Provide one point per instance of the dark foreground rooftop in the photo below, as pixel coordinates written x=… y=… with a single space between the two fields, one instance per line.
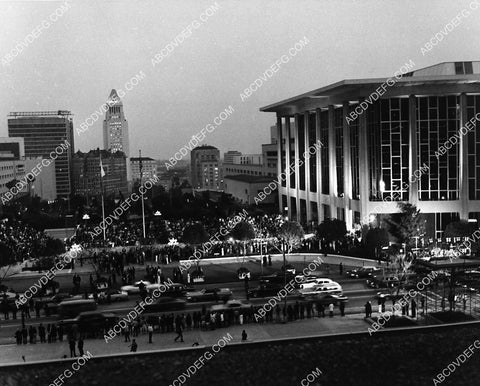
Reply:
x=410 y=357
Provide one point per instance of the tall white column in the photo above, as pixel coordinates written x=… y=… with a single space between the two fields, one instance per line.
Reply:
x=332 y=162
x=347 y=168
x=307 y=166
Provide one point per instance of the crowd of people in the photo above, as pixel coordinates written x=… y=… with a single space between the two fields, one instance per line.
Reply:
x=24 y=241
x=130 y=232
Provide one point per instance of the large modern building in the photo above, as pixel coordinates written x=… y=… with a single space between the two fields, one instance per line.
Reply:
x=14 y=167
x=367 y=163
x=87 y=173
x=47 y=134
x=205 y=168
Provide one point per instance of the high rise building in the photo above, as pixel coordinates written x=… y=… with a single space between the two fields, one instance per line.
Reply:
x=205 y=168
x=86 y=173
x=416 y=140
x=115 y=126
x=47 y=134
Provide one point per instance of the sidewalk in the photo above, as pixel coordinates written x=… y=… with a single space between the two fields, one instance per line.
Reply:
x=256 y=332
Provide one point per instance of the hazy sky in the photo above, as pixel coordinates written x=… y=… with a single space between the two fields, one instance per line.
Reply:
x=99 y=45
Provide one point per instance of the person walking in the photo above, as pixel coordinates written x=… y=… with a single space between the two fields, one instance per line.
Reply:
x=150 y=333
x=72 y=348
x=244 y=336
x=179 y=332
x=342 y=308
x=126 y=331
x=368 y=309
x=80 y=345
x=330 y=308
x=133 y=346
x=340 y=268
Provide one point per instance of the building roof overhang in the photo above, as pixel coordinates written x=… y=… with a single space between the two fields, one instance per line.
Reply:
x=354 y=90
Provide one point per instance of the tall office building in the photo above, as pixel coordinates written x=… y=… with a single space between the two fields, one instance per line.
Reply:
x=416 y=141
x=47 y=134
x=115 y=129
x=205 y=168
x=115 y=126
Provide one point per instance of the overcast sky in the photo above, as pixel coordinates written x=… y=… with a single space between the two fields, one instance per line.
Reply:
x=99 y=45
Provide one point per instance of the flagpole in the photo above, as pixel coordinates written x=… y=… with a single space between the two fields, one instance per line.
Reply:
x=143 y=203
x=103 y=203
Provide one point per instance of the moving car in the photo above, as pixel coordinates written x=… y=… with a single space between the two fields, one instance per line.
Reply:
x=166 y=303
x=269 y=291
x=92 y=321
x=232 y=305
x=380 y=281
x=332 y=289
x=276 y=278
x=330 y=298
x=111 y=295
x=172 y=290
x=135 y=288
x=316 y=282
x=289 y=268
x=72 y=308
x=210 y=294
x=363 y=272
x=243 y=272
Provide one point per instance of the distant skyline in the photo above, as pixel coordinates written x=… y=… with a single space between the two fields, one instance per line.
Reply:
x=99 y=46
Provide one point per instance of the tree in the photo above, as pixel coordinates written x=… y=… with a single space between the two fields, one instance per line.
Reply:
x=406 y=225
x=331 y=230
x=243 y=232
x=195 y=234
x=291 y=234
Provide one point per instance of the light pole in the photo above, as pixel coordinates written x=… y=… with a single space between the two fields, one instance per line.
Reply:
x=141 y=193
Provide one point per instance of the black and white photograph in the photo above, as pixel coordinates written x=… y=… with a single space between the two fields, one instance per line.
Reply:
x=239 y=192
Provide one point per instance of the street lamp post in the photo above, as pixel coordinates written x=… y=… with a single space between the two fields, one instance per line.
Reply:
x=143 y=202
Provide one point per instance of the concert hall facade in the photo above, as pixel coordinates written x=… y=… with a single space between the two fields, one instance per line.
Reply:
x=411 y=138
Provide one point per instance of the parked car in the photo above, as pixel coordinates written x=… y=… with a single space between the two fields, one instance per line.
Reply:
x=91 y=321
x=363 y=272
x=231 y=305
x=209 y=294
x=332 y=288
x=111 y=295
x=165 y=303
x=135 y=288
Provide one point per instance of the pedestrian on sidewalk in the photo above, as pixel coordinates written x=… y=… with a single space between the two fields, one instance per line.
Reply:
x=244 y=336
x=133 y=346
x=80 y=345
x=342 y=308
x=72 y=348
x=341 y=268
x=179 y=332
x=150 y=333
x=368 y=309
x=330 y=308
